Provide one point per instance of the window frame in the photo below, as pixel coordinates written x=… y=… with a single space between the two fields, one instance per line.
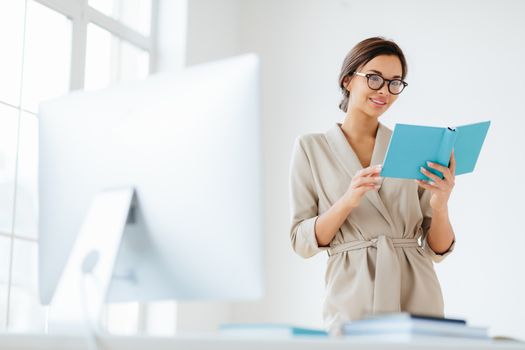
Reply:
x=80 y=14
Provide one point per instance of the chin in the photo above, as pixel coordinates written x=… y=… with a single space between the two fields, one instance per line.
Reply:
x=375 y=114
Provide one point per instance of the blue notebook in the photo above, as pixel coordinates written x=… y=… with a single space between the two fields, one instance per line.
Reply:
x=411 y=146
x=269 y=330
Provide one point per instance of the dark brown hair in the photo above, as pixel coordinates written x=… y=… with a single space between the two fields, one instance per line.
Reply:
x=363 y=53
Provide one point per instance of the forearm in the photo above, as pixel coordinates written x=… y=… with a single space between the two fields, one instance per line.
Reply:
x=330 y=221
x=440 y=235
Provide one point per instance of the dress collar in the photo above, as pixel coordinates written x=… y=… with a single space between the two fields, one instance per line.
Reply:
x=346 y=156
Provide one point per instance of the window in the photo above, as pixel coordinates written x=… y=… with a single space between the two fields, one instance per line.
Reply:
x=110 y=59
x=47 y=55
x=49 y=48
x=133 y=13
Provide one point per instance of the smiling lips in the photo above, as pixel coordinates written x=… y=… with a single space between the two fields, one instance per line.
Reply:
x=378 y=102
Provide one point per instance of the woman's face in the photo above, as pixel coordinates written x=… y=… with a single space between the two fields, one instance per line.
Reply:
x=373 y=102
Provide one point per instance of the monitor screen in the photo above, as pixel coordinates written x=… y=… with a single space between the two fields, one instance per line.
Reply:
x=189 y=145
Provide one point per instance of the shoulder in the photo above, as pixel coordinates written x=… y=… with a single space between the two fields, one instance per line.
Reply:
x=385 y=129
x=309 y=149
x=311 y=142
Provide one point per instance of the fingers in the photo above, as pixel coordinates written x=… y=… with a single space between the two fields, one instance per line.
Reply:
x=368 y=187
x=370 y=171
x=437 y=182
x=425 y=185
x=443 y=169
x=431 y=175
x=366 y=181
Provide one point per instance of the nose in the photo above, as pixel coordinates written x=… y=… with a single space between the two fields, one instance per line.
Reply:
x=384 y=89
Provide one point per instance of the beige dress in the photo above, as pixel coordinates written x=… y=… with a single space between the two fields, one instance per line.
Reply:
x=378 y=260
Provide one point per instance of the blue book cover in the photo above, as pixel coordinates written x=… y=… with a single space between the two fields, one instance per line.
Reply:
x=411 y=146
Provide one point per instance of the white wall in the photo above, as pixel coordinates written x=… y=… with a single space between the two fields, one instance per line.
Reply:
x=465 y=65
x=213 y=30
x=171 y=29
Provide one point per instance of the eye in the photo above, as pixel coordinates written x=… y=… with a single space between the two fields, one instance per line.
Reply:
x=376 y=78
x=396 y=83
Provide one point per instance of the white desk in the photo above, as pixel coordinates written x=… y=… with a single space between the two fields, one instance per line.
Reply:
x=216 y=342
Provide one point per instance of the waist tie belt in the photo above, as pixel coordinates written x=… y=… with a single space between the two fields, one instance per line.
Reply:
x=387 y=283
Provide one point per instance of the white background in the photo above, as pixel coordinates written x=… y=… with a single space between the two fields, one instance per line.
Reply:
x=466 y=64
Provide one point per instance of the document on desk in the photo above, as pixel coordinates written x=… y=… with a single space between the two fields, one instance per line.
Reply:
x=268 y=330
x=408 y=325
x=411 y=146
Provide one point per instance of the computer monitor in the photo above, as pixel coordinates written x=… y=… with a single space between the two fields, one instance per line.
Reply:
x=188 y=143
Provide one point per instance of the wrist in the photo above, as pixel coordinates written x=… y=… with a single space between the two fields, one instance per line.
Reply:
x=440 y=211
x=348 y=201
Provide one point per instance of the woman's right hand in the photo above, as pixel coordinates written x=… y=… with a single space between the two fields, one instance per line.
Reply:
x=363 y=181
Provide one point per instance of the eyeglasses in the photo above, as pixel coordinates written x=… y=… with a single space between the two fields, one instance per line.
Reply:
x=376 y=82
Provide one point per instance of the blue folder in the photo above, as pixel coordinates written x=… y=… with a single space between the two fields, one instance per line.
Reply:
x=411 y=146
x=269 y=329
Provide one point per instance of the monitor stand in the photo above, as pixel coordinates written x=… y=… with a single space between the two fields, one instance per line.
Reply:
x=84 y=284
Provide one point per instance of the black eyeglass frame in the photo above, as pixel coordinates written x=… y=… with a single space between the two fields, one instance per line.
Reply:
x=368 y=75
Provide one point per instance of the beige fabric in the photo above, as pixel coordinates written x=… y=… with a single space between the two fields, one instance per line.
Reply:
x=376 y=263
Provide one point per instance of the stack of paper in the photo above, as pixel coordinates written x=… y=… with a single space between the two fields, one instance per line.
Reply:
x=406 y=324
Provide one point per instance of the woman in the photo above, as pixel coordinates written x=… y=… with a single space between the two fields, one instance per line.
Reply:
x=371 y=227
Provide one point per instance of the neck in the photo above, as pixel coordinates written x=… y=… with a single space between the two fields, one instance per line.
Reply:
x=358 y=126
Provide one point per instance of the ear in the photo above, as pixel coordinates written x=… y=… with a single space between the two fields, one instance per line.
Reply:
x=346 y=82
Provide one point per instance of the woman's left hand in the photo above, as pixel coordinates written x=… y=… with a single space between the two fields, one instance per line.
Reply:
x=440 y=188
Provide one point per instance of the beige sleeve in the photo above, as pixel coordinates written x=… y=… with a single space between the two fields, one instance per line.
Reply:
x=303 y=204
x=424 y=201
